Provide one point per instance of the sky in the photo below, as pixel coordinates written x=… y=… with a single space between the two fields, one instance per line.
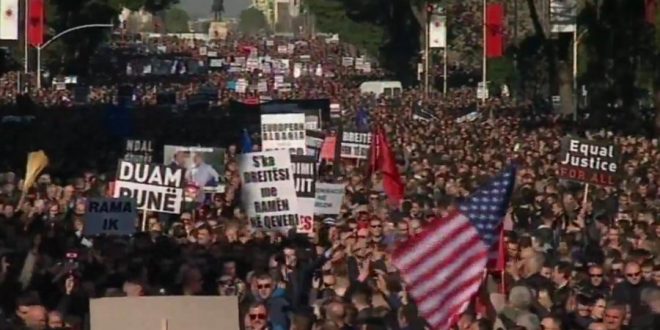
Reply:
x=202 y=8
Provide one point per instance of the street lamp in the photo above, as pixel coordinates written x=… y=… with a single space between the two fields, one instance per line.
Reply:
x=577 y=37
x=57 y=36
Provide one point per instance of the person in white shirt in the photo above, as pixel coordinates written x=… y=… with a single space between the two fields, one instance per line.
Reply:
x=201 y=174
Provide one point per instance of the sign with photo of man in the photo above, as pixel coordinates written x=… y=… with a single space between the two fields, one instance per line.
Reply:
x=204 y=166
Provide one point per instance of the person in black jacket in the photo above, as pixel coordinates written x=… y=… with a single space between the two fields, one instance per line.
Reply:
x=561 y=277
x=300 y=277
x=629 y=291
x=596 y=285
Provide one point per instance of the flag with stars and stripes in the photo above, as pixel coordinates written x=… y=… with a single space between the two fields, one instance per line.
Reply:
x=444 y=265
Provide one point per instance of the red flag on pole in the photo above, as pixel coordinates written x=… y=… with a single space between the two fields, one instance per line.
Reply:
x=383 y=159
x=650 y=7
x=497 y=254
x=494 y=30
x=36 y=23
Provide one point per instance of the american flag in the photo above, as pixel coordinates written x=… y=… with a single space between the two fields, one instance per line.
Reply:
x=443 y=266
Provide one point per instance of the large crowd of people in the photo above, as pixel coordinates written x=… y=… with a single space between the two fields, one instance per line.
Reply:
x=577 y=258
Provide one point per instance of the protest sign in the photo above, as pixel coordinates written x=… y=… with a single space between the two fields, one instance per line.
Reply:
x=268 y=190
x=155 y=187
x=204 y=166
x=312 y=122
x=328 y=148
x=284 y=131
x=329 y=197
x=589 y=161
x=314 y=143
x=304 y=178
x=249 y=115
x=218 y=30
x=335 y=111
x=314 y=109
x=167 y=312
x=110 y=216
x=355 y=145
x=138 y=151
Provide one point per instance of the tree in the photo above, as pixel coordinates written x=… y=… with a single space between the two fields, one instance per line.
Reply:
x=252 y=21
x=387 y=29
x=622 y=59
x=74 y=50
x=218 y=8
x=176 y=20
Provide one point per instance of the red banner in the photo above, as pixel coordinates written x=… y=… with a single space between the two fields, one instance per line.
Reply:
x=650 y=7
x=494 y=30
x=36 y=23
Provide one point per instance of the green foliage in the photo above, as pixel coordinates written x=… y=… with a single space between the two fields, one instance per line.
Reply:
x=500 y=70
x=616 y=36
x=252 y=21
x=331 y=17
x=176 y=20
x=386 y=29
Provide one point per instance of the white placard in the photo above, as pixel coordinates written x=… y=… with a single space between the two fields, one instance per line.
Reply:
x=283 y=131
x=268 y=191
x=563 y=16
x=335 y=110
x=110 y=216
x=347 y=61
x=329 y=197
x=355 y=145
x=482 y=91
x=313 y=143
x=155 y=187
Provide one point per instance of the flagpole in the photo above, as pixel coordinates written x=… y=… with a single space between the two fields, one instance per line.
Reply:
x=38 y=67
x=426 y=54
x=575 y=73
x=502 y=282
x=483 y=58
x=444 y=56
x=25 y=35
